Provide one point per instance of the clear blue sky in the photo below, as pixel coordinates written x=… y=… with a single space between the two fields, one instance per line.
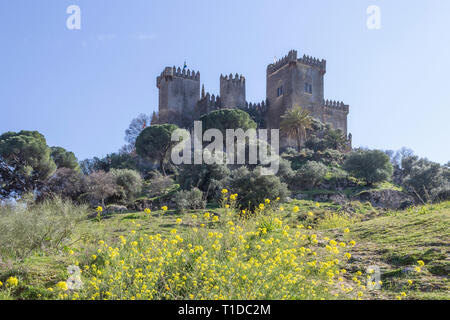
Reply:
x=81 y=88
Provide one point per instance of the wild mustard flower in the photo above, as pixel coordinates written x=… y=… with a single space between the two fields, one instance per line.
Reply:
x=224 y=191
x=164 y=208
x=179 y=221
x=147 y=211
x=267 y=201
x=421 y=263
x=346 y=230
x=296 y=209
x=62 y=286
x=12 y=282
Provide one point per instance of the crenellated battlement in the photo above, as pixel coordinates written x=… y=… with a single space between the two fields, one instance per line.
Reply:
x=337 y=105
x=290 y=57
x=236 y=79
x=210 y=100
x=171 y=72
x=260 y=106
x=314 y=62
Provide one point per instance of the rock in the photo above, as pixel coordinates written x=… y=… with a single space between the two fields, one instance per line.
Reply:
x=114 y=208
x=408 y=270
x=389 y=199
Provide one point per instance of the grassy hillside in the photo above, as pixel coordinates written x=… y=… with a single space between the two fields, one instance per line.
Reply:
x=300 y=250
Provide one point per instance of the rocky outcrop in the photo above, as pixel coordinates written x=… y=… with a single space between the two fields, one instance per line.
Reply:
x=389 y=199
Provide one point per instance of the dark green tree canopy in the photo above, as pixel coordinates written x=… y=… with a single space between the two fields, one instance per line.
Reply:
x=155 y=143
x=370 y=165
x=227 y=119
x=26 y=162
x=64 y=158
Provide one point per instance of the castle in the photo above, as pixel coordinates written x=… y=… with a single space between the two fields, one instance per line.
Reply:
x=290 y=81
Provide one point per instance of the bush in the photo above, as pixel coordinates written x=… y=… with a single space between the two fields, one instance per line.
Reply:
x=285 y=171
x=46 y=226
x=252 y=187
x=209 y=178
x=426 y=179
x=101 y=185
x=129 y=184
x=158 y=185
x=310 y=174
x=186 y=200
x=65 y=183
x=370 y=165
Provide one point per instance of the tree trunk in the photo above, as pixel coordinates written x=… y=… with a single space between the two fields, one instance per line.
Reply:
x=161 y=165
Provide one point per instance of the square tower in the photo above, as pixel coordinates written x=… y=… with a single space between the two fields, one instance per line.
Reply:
x=292 y=81
x=179 y=92
x=232 y=91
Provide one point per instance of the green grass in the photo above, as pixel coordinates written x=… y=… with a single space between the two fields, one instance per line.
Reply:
x=392 y=240
x=398 y=240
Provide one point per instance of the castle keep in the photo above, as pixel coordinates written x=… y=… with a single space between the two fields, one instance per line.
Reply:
x=290 y=81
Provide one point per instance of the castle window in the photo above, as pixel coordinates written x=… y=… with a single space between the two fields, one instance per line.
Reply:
x=308 y=87
x=279 y=91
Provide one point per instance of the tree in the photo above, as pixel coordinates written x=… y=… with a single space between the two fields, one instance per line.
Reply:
x=66 y=183
x=370 y=165
x=335 y=139
x=426 y=179
x=25 y=162
x=206 y=177
x=253 y=188
x=311 y=173
x=295 y=123
x=101 y=185
x=64 y=158
x=136 y=126
x=224 y=119
x=155 y=143
x=129 y=184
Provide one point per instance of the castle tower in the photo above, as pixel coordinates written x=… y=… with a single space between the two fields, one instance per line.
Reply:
x=292 y=81
x=232 y=91
x=179 y=92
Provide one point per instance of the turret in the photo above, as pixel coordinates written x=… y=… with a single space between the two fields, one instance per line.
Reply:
x=232 y=91
x=179 y=92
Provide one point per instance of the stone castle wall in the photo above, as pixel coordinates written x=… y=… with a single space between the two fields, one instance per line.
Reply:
x=290 y=81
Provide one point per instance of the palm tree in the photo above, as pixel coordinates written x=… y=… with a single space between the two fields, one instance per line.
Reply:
x=295 y=123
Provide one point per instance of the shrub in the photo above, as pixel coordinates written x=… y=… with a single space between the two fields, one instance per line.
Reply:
x=310 y=174
x=129 y=184
x=25 y=228
x=65 y=183
x=158 y=185
x=101 y=185
x=209 y=178
x=428 y=180
x=285 y=171
x=252 y=187
x=370 y=165
x=189 y=199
